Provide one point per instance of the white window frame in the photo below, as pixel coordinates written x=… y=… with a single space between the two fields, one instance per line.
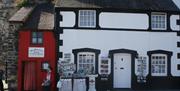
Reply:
x=166 y=68
x=86 y=53
x=87 y=20
x=157 y=14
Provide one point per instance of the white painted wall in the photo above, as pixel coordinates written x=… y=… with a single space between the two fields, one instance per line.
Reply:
x=68 y=19
x=124 y=20
x=109 y=40
x=173 y=22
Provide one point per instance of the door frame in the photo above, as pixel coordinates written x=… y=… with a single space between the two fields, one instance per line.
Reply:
x=133 y=54
x=122 y=55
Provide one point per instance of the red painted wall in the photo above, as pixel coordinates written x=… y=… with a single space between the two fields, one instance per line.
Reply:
x=50 y=56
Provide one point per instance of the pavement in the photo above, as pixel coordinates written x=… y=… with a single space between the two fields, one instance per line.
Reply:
x=145 y=90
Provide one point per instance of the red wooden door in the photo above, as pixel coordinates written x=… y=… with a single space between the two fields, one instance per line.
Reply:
x=29 y=76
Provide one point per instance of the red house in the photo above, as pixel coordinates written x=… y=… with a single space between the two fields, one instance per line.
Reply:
x=36 y=49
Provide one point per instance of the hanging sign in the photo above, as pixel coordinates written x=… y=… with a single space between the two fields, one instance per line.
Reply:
x=36 y=52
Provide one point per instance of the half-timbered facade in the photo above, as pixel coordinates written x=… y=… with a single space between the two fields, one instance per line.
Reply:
x=140 y=40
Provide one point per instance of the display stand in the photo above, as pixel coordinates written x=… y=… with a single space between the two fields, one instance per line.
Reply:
x=79 y=84
x=92 y=81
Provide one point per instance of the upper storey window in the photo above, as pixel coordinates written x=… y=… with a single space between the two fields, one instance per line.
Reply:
x=158 y=21
x=87 y=18
x=37 y=38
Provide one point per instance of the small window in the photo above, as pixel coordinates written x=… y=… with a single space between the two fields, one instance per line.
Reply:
x=158 y=21
x=37 y=37
x=159 y=65
x=87 y=18
x=86 y=62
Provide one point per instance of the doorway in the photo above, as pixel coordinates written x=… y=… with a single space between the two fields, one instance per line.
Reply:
x=122 y=70
x=29 y=76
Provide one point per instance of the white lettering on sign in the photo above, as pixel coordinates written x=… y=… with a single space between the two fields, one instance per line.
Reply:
x=36 y=52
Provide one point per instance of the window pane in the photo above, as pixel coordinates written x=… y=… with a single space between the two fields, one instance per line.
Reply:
x=40 y=34
x=159 y=66
x=34 y=40
x=34 y=37
x=85 y=63
x=87 y=18
x=34 y=34
x=158 y=21
x=37 y=37
x=40 y=40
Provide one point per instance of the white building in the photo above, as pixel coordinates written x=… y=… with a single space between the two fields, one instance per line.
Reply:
x=141 y=40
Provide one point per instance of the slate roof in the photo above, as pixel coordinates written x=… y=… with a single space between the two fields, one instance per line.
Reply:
x=21 y=15
x=46 y=21
x=42 y=18
x=155 y=5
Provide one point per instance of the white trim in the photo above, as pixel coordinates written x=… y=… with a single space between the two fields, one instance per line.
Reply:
x=86 y=53
x=159 y=14
x=159 y=74
x=94 y=15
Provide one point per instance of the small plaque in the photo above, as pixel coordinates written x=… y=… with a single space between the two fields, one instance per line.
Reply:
x=36 y=52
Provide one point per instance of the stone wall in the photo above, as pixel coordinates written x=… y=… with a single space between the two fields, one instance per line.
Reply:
x=6 y=3
x=8 y=43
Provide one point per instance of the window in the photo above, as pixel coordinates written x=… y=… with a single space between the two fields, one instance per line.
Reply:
x=86 y=62
x=159 y=65
x=37 y=37
x=158 y=21
x=87 y=18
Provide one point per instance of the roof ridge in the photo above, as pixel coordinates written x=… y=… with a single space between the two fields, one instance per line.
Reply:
x=154 y=5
